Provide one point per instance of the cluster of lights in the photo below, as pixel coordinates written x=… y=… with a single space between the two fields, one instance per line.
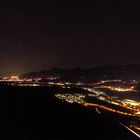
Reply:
x=107 y=81
x=132 y=106
x=119 y=89
x=76 y=98
x=132 y=102
x=11 y=78
x=94 y=91
x=14 y=79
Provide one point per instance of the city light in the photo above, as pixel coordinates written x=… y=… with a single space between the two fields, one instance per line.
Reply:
x=92 y=92
x=120 y=89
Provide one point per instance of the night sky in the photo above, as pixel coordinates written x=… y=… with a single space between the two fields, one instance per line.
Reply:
x=38 y=35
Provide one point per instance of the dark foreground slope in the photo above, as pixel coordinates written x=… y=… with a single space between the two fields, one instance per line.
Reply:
x=34 y=114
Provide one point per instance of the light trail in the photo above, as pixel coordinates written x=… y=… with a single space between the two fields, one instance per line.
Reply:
x=130 y=130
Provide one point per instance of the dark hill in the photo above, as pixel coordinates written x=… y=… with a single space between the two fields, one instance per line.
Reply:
x=126 y=72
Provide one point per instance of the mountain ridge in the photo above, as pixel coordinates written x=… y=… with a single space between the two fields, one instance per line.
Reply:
x=129 y=72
